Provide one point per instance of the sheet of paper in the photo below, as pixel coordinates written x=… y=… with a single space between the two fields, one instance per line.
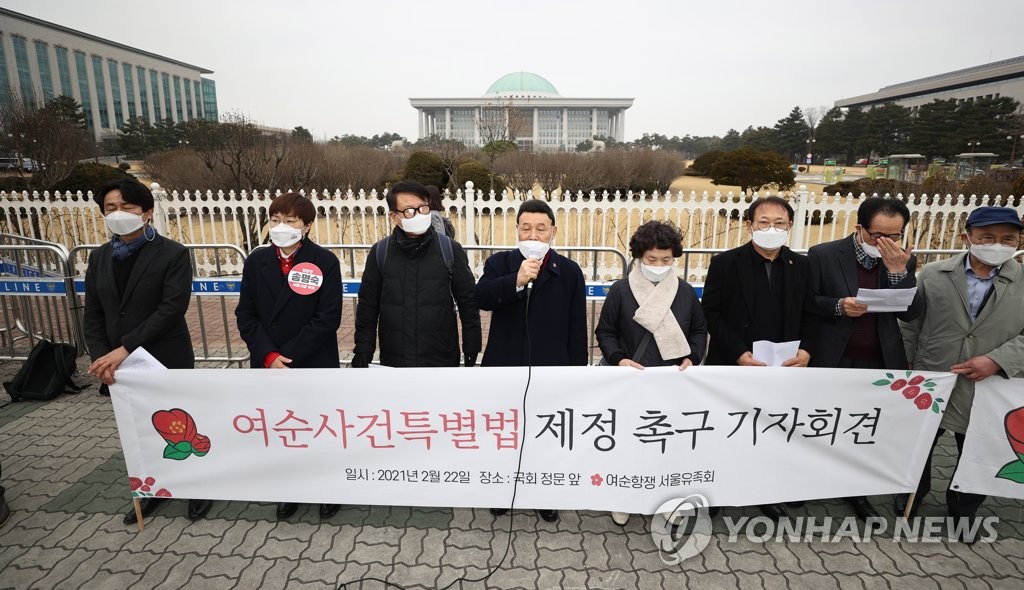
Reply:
x=141 y=360
x=883 y=300
x=774 y=354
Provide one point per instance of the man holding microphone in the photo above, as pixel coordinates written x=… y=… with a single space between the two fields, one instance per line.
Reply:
x=537 y=299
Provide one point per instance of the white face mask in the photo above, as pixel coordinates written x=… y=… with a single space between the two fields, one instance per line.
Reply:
x=992 y=254
x=122 y=222
x=417 y=225
x=284 y=235
x=770 y=239
x=870 y=250
x=533 y=249
x=654 y=274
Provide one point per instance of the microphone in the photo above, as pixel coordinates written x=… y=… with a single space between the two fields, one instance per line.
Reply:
x=529 y=285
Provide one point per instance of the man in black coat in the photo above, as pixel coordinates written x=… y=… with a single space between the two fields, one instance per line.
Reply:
x=849 y=336
x=557 y=319
x=137 y=290
x=538 y=303
x=411 y=298
x=758 y=291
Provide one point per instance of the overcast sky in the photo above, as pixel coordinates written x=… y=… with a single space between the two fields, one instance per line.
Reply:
x=695 y=68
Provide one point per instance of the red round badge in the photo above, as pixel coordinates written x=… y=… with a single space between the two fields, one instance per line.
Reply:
x=305 y=278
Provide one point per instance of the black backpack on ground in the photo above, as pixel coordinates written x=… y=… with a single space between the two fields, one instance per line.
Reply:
x=46 y=373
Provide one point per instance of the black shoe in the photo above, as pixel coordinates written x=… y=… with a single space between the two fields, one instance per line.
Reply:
x=286 y=509
x=5 y=510
x=148 y=506
x=862 y=508
x=198 y=508
x=797 y=504
x=774 y=511
x=548 y=515
x=329 y=510
x=104 y=390
x=499 y=511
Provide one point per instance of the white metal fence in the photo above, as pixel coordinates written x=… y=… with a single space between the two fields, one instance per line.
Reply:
x=708 y=221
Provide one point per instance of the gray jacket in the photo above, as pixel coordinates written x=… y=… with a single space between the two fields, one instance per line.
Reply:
x=944 y=334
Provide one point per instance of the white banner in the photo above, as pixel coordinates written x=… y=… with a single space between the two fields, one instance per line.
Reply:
x=993 y=459
x=601 y=438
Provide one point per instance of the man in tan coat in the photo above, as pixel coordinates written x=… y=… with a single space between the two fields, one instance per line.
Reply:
x=972 y=325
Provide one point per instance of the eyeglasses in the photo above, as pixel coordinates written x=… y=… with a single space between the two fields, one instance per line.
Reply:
x=412 y=211
x=1010 y=241
x=765 y=224
x=874 y=235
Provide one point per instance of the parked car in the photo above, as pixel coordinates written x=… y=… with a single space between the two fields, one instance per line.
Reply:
x=29 y=165
x=862 y=162
x=8 y=164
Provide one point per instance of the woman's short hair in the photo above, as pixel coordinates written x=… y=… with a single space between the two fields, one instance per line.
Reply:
x=656 y=235
x=293 y=204
x=132 y=191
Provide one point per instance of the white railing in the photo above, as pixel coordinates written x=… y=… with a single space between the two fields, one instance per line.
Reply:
x=583 y=219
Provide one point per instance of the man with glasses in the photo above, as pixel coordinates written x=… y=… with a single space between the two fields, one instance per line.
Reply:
x=411 y=284
x=758 y=291
x=871 y=258
x=972 y=325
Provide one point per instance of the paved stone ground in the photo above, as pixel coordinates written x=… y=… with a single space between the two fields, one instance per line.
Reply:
x=66 y=484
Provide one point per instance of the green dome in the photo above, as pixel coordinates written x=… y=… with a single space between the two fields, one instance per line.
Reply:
x=522 y=84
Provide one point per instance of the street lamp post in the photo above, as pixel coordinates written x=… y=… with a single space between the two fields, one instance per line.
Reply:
x=973 y=145
x=1013 y=150
x=810 y=144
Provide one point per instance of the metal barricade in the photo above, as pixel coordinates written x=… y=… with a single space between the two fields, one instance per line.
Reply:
x=35 y=281
x=215 y=336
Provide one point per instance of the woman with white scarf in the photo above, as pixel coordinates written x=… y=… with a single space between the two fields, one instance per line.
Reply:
x=652 y=318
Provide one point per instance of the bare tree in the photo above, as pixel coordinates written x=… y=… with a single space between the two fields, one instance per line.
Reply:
x=501 y=122
x=53 y=135
x=814 y=114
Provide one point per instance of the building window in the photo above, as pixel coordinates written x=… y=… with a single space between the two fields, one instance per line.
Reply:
x=209 y=99
x=5 y=88
x=24 y=70
x=143 y=93
x=198 y=93
x=129 y=90
x=115 y=92
x=166 y=79
x=188 y=98
x=64 y=71
x=101 y=91
x=155 y=87
x=177 y=96
x=83 y=89
x=45 y=75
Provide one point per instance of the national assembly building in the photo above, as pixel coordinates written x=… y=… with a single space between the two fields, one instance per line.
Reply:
x=530 y=109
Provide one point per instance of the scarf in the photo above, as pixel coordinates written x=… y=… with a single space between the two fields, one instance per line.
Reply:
x=655 y=313
x=122 y=250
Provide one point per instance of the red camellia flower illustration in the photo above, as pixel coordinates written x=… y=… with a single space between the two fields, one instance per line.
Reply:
x=923 y=401
x=1015 y=430
x=898 y=384
x=911 y=392
x=174 y=425
x=134 y=483
x=201 y=444
x=163 y=493
x=596 y=479
x=1014 y=423
x=917 y=380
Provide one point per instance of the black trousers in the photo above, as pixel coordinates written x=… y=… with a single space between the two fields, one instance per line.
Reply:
x=958 y=503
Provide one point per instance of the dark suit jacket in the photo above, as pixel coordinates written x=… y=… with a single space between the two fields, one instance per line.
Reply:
x=557 y=314
x=273 y=318
x=151 y=313
x=729 y=297
x=833 y=277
